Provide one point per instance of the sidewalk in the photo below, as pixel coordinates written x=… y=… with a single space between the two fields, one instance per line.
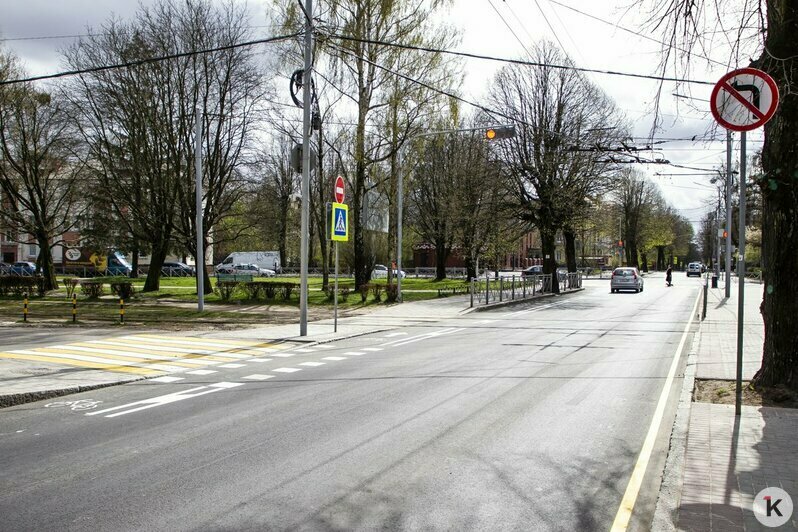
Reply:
x=727 y=460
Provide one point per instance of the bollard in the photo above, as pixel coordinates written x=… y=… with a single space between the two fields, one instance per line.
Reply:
x=472 y=293
x=513 y=289
x=487 y=290
x=74 y=308
x=121 y=311
x=25 y=308
x=501 y=289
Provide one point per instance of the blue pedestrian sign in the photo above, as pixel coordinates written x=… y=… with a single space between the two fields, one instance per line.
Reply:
x=340 y=222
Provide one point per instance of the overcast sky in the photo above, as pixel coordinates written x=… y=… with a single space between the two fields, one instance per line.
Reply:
x=498 y=28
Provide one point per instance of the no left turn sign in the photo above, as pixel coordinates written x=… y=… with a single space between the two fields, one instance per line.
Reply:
x=744 y=99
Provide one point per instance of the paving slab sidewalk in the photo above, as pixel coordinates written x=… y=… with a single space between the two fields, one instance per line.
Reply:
x=727 y=459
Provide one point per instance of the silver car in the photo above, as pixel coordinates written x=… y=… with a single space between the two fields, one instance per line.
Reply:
x=626 y=279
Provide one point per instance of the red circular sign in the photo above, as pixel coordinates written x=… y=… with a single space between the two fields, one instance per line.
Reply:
x=339 y=189
x=744 y=99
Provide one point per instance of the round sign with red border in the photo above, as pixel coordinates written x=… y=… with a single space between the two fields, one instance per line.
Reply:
x=339 y=189
x=744 y=99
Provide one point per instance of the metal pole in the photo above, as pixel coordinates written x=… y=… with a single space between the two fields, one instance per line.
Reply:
x=74 y=308
x=728 y=211
x=741 y=282
x=335 y=298
x=303 y=258
x=399 y=199
x=198 y=177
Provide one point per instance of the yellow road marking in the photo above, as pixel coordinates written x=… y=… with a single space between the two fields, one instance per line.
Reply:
x=143 y=350
x=109 y=352
x=223 y=341
x=635 y=481
x=83 y=364
x=122 y=358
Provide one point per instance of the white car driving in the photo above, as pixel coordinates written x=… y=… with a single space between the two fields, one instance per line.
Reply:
x=380 y=271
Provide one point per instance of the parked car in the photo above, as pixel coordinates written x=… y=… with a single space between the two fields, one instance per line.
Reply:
x=532 y=270
x=5 y=268
x=23 y=268
x=695 y=268
x=177 y=269
x=626 y=279
x=381 y=271
x=245 y=269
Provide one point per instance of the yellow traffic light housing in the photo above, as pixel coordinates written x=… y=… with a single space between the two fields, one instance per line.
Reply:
x=500 y=132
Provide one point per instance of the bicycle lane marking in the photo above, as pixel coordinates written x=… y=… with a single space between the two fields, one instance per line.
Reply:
x=162 y=400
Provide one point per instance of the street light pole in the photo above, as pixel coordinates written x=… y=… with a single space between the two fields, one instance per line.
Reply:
x=303 y=253
x=198 y=178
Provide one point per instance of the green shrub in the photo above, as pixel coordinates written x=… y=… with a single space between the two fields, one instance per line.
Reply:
x=226 y=289
x=71 y=283
x=123 y=289
x=364 y=292
x=18 y=285
x=376 y=290
x=92 y=289
x=253 y=289
x=269 y=290
x=286 y=289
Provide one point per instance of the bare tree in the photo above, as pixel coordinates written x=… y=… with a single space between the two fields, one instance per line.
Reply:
x=553 y=110
x=40 y=171
x=634 y=197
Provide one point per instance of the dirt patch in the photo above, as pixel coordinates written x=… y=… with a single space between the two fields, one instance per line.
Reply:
x=722 y=392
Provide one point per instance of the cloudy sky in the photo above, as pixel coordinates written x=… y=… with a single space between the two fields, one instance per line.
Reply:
x=596 y=35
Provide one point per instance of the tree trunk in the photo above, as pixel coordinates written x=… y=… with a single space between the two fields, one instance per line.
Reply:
x=441 y=254
x=660 y=258
x=157 y=258
x=206 y=279
x=547 y=241
x=570 y=249
x=780 y=204
x=471 y=267
x=134 y=266
x=644 y=259
x=45 y=262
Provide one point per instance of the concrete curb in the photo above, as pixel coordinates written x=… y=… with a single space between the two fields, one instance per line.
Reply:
x=16 y=399
x=511 y=302
x=670 y=491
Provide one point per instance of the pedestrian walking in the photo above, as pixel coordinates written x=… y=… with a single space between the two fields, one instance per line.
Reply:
x=668 y=276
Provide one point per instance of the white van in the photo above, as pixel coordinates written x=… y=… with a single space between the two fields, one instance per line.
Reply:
x=264 y=259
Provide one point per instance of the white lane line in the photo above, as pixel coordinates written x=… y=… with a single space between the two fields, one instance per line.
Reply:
x=202 y=372
x=334 y=358
x=373 y=349
x=287 y=370
x=165 y=399
x=402 y=341
x=167 y=379
x=258 y=377
x=107 y=361
x=282 y=355
x=354 y=353
x=325 y=346
x=429 y=336
x=305 y=350
x=395 y=334
x=311 y=364
x=154 y=347
x=259 y=360
x=232 y=365
x=485 y=321
x=636 y=480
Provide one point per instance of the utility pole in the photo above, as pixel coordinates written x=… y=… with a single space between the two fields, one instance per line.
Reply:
x=303 y=259
x=198 y=177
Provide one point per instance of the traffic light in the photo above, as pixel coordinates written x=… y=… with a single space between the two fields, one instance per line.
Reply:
x=725 y=233
x=500 y=132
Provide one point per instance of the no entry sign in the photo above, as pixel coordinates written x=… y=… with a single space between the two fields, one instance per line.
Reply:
x=744 y=99
x=339 y=189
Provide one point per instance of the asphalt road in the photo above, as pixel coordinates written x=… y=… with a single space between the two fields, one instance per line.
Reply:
x=525 y=418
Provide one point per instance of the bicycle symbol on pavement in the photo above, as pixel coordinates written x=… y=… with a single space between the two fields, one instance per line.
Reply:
x=76 y=406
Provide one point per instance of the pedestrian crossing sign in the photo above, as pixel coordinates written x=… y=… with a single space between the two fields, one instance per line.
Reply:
x=340 y=222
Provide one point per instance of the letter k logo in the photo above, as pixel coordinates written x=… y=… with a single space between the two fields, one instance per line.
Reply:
x=772 y=507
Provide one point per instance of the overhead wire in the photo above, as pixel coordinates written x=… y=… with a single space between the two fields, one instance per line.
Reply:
x=128 y=64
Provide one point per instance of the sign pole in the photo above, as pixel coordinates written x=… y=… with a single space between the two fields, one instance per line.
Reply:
x=741 y=282
x=728 y=211
x=200 y=256
x=335 y=298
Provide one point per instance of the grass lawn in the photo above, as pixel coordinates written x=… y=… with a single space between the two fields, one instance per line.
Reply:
x=175 y=303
